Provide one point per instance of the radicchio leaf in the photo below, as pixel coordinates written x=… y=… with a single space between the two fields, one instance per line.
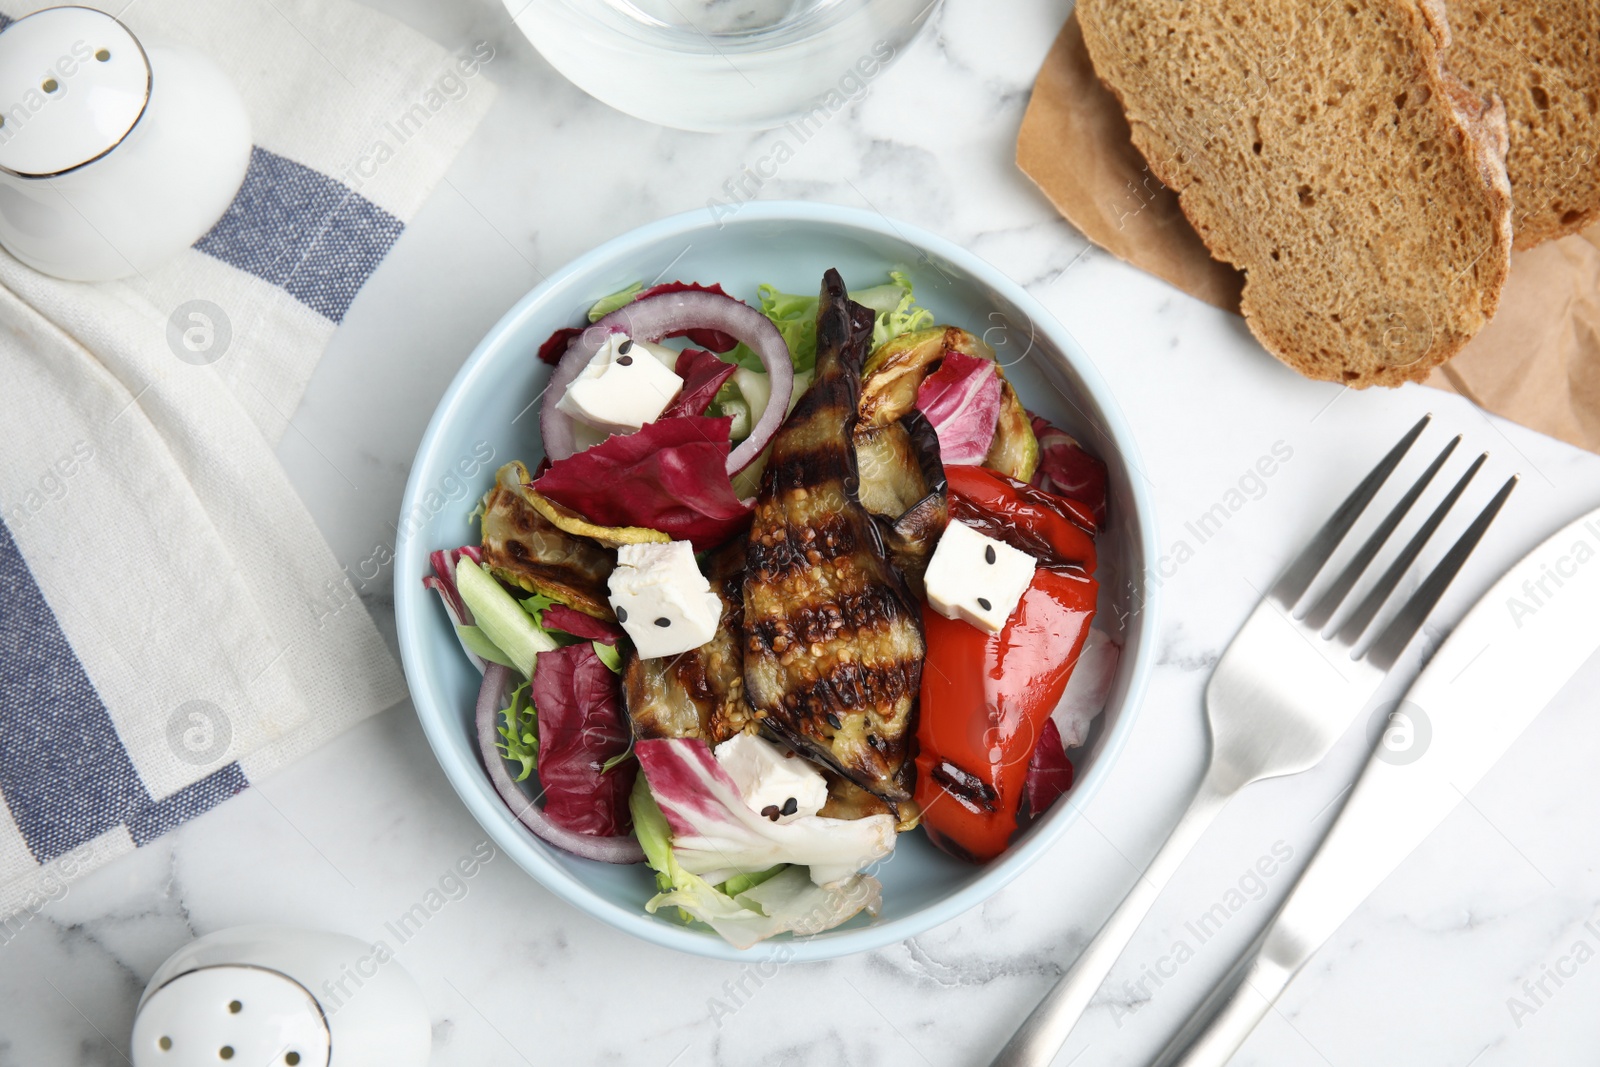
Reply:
x=1065 y=469
x=702 y=374
x=443 y=582
x=570 y=621
x=962 y=401
x=578 y=703
x=1049 y=771
x=670 y=476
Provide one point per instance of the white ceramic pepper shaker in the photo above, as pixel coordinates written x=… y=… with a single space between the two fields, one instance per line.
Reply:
x=266 y=996
x=114 y=156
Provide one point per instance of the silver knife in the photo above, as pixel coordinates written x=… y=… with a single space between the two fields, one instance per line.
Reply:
x=1507 y=659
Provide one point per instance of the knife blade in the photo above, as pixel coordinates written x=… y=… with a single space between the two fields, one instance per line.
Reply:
x=1515 y=649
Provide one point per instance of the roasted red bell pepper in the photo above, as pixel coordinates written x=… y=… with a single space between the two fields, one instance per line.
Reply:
x=986 y=697
x=1050 y=528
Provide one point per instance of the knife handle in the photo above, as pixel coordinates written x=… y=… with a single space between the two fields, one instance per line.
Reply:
x=1041 y=1036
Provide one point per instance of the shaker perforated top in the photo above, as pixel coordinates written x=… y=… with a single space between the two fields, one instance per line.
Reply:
x=251 y=1015
x=73 y=82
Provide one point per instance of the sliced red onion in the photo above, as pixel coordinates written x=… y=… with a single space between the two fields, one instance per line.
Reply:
x=491 y=694
x=650 y=320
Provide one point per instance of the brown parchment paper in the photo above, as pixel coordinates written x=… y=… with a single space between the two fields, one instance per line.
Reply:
x=1537 y=363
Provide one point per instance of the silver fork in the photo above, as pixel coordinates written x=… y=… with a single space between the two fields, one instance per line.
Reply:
x=1280 y=697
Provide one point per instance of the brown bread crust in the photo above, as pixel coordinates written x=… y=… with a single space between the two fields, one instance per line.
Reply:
x=1543 y=58
x=1325 y=151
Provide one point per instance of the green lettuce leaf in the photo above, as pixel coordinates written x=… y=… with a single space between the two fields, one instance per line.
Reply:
x=741 y=883
x=534 y=605
x=607 y=304
x=896 y=307
x=894 y=304
x=609 y=655
x=480 y=645
x=520 y=733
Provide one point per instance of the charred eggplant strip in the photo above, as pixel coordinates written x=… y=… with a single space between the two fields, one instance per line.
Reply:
x=834 y=645
x=846 y=800
x=700 y=693
x=912 y=535
x=890 y=471
x=522 y=547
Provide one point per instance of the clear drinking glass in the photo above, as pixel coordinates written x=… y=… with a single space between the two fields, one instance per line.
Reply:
x=722 y=64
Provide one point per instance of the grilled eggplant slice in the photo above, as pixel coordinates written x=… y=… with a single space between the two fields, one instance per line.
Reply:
x=890 y=473
x=834 y=645
x=912 y=535
x=700 y=693
x=846 y=800
x=522 y=547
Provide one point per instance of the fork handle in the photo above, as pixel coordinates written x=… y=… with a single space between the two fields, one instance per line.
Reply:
x=1041 y=1036
x=1226 y=1019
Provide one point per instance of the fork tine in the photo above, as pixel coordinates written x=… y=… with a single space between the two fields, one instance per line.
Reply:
x=1387 y=648
x=1294 y=581
x=1329 y=602
x=1362 y=617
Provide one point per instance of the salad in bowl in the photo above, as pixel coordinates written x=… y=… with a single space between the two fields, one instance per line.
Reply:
x=793 y=578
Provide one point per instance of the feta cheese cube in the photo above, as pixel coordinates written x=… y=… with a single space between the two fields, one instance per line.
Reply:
x=974 y=577
x=775 y=782
x=662 y=600
x=624 y=386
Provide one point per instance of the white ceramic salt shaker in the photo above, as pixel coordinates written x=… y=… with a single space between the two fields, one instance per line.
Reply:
x=114 y=156
x=267 y=996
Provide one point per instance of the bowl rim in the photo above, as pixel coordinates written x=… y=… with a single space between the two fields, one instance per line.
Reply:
x=485 y=805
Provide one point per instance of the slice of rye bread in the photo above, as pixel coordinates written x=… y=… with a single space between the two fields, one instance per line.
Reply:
x=1324 y=151
x=1543 y=58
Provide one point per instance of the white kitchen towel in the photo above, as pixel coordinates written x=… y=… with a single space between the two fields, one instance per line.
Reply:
x=172 y=624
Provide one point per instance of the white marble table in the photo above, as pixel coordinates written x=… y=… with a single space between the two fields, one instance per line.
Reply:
x=359 y=832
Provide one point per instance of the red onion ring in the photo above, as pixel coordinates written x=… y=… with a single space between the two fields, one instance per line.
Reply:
x=623 y=849
x=650 y=320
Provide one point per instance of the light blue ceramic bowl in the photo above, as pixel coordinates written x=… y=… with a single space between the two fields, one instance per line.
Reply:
x=489 y=416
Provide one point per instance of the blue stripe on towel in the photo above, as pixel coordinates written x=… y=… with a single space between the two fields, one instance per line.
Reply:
x=196 y=798
x=63 y=770
x=300 y=229
x=64 y=773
